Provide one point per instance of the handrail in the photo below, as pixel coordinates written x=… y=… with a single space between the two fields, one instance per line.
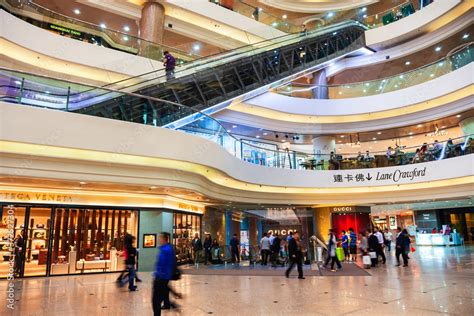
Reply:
x=392 y=83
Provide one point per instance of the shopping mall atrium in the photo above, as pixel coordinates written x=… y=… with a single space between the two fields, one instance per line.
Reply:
x=254 y=135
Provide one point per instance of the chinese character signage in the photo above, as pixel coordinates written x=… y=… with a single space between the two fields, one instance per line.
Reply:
x=372 y=177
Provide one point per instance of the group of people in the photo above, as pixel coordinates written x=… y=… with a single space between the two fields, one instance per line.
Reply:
x=165 y=271
x=375 y=242
x=212 y=249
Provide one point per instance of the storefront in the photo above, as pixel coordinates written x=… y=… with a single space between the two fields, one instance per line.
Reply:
x=345 y=217
x=45 y=233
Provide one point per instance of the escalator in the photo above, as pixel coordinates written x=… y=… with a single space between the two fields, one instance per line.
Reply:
x=211 y=83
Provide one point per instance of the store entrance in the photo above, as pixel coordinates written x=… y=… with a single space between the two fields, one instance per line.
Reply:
x=24 y=245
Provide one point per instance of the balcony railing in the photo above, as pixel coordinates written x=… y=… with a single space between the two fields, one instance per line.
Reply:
x=20 y=87
x=457 y=59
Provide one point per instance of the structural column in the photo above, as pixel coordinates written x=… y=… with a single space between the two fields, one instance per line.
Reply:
x=320 y=91
x=151 y=25
x=253 y=229
x=323 y=146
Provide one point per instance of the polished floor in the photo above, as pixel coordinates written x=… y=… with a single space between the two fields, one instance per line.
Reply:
x=438 y=281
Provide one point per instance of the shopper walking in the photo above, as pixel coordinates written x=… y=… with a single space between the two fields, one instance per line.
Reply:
x=332 y=245
x=264 y=249
x=352 y=245
x=130 y=262
x=169 y=62
x=345 y=245
x=197 y=247
x=373 y=243
x=165 y=267
x=402 y=246
x=379 y=250
x=234 y=249
x=295 y=252
x=207 y=249
x=388 y=240
x=275 y=250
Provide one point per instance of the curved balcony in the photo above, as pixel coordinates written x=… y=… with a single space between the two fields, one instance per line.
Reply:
x=41 y=144
x=455 y=60
x=28 y=90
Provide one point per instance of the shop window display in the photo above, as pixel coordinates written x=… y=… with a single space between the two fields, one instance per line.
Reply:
x=90 y=240
x=185 y=226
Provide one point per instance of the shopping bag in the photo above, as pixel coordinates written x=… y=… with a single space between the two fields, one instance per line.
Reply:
x=366 y=260
x=373 y=254
x=413 y=249
x=340 y=254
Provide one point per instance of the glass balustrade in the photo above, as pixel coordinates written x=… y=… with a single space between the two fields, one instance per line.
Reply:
x=454 y=61
x=39 y=91
x=101 y=35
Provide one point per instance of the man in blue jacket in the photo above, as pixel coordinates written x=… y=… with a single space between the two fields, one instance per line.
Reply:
x=164 y=269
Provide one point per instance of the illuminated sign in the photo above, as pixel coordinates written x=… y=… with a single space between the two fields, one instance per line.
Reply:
x=342 y=209
x=35 y=196
x=64 y=30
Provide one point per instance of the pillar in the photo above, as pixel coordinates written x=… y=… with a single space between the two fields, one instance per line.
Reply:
x=322 y=147
x=151 y=26
x=320 y=91
x=252 y=222
x=467 y=126
x=228 y=226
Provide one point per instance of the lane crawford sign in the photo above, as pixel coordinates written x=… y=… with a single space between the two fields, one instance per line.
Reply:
x=372 y=177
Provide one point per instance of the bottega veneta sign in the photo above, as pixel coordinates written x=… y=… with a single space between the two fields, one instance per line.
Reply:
x=34 y=196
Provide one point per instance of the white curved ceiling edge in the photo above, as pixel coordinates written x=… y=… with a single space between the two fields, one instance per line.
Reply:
x=423 y=92
x=404 y=49
x=353 y=127
x=409 y=26
x=317 y=6
x=115 y=138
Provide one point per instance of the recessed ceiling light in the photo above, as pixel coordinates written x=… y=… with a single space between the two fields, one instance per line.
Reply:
x=438 y=49
x=401 y=76
x=431 y=75
x=373 y=138
x=77 y=11
x=407 y=63
x=152 y=187
x=126 y=28
x=265 y=134
x=17 y=81
x=465 y=36
x=411 y=137
x=411 y=133
x=342 y=136
x=82 y=183
x=125 y=38
x=443 y=126
x=228 y=131
x=234 y=126
x=419 y=125
x=330 y=14
x=363 y=9
x=196 y=47
x=258 y=136
x=47 y=92
x=458 y=116
x=284 y=16
x=379 y=133
x=103 y=25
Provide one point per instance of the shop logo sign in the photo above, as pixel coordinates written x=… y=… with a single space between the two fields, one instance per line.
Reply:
x=395 y=176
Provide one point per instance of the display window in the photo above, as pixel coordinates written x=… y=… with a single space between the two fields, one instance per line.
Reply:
x=185 y=226
x=90 y=240
x=51 y=240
